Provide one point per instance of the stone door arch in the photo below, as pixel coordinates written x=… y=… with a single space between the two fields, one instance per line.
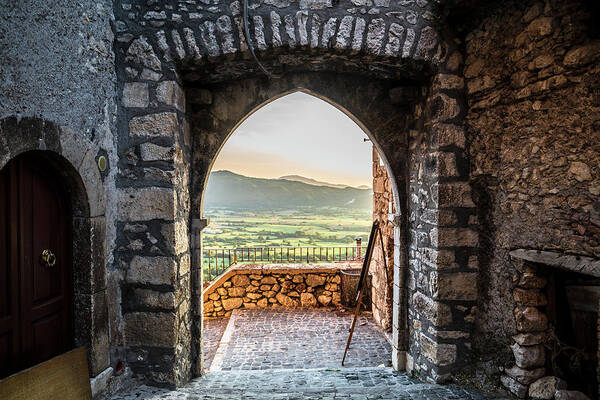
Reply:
x=74 y=160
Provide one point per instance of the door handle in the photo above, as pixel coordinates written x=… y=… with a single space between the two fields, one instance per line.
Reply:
x=48 y=258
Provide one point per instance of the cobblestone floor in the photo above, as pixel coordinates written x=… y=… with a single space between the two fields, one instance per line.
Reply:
x=299 y=339
x=348 y=383
x=211 y=336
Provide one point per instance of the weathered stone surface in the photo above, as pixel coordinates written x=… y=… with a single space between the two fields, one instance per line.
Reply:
x=580 y=171
x=135 y=94
x=544 y=388
x=152 y=152
x=438 y=353
x=262 y=303
x=240 y=280
x=569 y=395
x=324 y=300
x=529 y=357
x=313 y=280
x=146 y=204
x=308 y=300
x=232 y=303
x=456 y=286
x=151 y=270
x=514 y=387
x=154 y=125
x=236 y=292
x=530 y=319
x=286 y=301
x=170 y=93
x=529 y=339
x=582 y=55
x=529 y=297
x=140 y=52
x=268 y=280
x=525 y=376
x=150 y=329
x=438 y=313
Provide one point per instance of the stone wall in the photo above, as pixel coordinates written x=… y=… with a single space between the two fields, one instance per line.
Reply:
x=533 y=83
x=383 y=209
x=272 y=285
x=57 y=83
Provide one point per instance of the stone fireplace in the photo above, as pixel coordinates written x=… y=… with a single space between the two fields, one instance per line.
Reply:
x=556 y=351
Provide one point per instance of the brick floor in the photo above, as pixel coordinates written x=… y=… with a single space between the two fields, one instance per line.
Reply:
x=326 y=384
x=211 y=336
x=301 y=338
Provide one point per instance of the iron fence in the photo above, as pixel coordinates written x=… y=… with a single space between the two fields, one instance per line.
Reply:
x=216 y=261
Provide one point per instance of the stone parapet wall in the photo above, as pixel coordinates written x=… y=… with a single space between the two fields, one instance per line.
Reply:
x=274 y=285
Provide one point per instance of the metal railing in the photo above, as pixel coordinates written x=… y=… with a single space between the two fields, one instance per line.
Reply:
x=216 y=261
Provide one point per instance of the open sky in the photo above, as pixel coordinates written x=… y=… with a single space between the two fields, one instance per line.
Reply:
x=299 y=134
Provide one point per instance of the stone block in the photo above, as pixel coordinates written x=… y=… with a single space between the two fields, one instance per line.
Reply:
x=240 y=280
x=268 y=280
x=582 y=55
x=135 y=94
x=529 y=357
x=441 y=354
x=262 y=303
x=324 y=299
x=530 y=319
x=545 y=388
x=90 y=175
x=232 y=303
x=439 y=314
x=153 y=299
x=144 y=204
x=150 y=329
x=529 y=339
x=525 y=376
x=313 y=280
x=286 y=301
x=169 y=93
x=151 y=270
x=308 y=300
x=236 y=292
x=154 y=125
x=529 y=297
x=456 y=237
x=153 y=152
x=455 y=194
x=455 y=286
x=516 y=388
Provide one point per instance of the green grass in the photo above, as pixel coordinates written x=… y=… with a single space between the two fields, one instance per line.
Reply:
x=321 y=227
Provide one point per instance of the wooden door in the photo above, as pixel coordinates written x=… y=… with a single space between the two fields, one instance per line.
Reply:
x=35 y=293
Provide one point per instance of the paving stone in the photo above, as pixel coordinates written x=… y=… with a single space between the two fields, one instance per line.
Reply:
x=348 y=383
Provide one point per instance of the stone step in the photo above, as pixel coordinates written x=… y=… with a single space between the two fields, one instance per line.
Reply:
x=351 y=383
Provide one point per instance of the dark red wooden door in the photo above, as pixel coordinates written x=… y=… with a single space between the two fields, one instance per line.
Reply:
x=35 y=294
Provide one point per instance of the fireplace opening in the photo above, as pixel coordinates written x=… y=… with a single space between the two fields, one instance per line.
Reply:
x=572 y=342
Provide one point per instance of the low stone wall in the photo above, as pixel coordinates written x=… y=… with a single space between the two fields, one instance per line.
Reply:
x=275 y=285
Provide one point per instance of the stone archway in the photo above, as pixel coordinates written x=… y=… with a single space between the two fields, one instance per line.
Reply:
x=74 y=159
x=173 y=55
x=233 y=102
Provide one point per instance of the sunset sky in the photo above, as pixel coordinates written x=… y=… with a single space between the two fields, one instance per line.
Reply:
x=299 y=134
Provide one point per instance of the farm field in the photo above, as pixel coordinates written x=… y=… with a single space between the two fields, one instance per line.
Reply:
x=308 y=227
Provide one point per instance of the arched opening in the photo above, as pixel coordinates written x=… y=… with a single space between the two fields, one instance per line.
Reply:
x=253 y=270
x=51 y=301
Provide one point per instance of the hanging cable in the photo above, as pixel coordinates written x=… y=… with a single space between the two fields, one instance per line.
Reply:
x=249 y=41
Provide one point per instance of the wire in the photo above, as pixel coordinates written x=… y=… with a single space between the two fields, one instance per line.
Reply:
x=249 y=41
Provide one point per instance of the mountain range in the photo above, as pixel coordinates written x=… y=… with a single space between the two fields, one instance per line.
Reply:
x=234 y=191
x=315 y=182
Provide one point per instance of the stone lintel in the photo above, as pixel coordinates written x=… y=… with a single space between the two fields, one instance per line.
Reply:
x=580 y=264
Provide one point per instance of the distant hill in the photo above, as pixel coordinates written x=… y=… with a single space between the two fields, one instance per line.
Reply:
x=230 y=190
x=310 y=181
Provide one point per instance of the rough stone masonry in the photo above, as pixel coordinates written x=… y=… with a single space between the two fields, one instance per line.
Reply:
x=484 y=113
